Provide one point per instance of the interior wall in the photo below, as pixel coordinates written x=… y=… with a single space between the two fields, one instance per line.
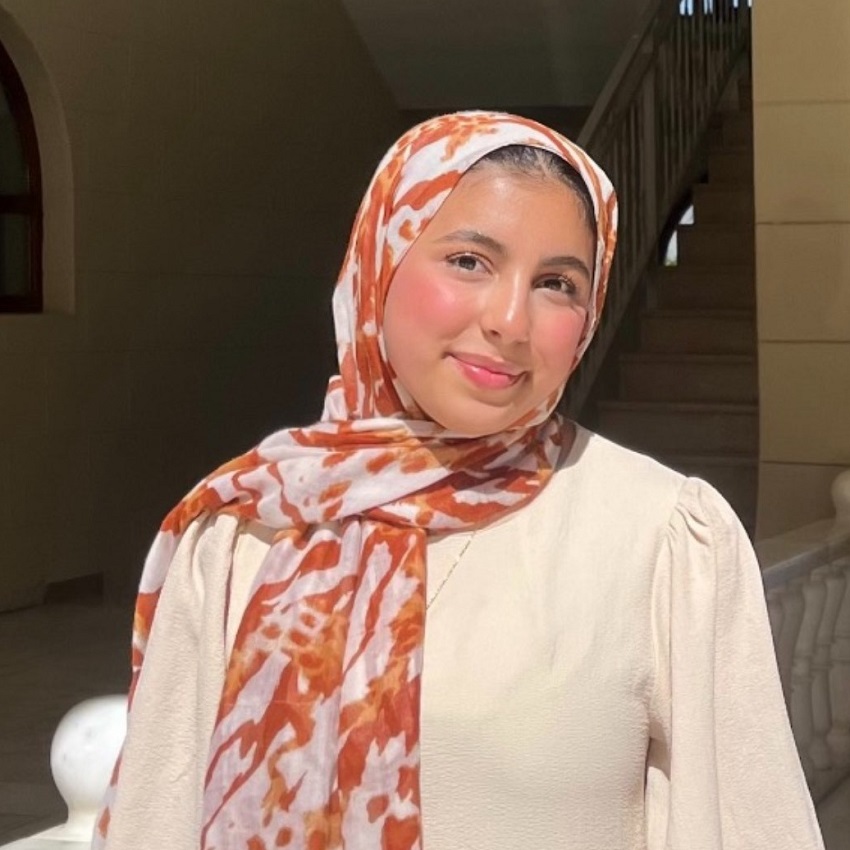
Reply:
x=217 y=154
x=802 y=175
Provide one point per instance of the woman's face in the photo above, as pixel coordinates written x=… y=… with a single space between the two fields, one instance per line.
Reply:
x=486 y=310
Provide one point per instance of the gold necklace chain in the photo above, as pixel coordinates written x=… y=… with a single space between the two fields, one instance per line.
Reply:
x=448 y=575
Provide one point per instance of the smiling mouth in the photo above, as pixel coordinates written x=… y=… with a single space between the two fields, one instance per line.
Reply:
x=486 y=373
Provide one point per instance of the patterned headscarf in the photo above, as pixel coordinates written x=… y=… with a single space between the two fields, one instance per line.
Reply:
x=316 y=743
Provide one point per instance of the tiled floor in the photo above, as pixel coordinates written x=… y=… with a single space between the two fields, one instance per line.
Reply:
x=55 y=656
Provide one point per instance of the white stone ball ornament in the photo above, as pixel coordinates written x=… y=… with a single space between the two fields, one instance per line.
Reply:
x=85 y=746
x=82 y=756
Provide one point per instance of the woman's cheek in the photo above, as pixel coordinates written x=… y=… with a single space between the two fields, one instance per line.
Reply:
x=563 y=330
x=435 y=303
x=449 y=305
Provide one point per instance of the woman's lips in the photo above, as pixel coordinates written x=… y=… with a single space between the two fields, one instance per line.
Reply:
x=487 y=373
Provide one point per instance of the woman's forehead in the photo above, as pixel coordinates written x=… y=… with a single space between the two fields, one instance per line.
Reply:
x=496 y=192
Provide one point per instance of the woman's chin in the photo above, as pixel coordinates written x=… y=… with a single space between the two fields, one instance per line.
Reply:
x=476 y=423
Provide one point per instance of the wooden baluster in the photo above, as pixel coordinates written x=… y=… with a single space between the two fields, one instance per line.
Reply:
x=831 y=586
x=838 y=739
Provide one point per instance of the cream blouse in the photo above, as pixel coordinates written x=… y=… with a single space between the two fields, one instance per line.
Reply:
x=598 y=675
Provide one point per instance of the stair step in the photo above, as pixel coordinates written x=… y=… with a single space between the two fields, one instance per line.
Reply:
x=737 y=128
x=724 y=204
x=731 y=165
x=665 y=428
x=733 y=128
x=698 y=331
x=695 y=287
x=735 y=476
x=716 y=244
x=688 y=377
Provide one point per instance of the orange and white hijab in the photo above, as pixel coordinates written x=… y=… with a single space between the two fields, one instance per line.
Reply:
x=316 y=741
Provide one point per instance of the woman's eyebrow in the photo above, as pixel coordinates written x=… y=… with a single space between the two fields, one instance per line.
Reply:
x=477 y=237
x=571 y=262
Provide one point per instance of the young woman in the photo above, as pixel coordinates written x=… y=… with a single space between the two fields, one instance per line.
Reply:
x=442 y=616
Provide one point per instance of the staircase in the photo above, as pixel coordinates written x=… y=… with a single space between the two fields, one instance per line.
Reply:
x=689 y=394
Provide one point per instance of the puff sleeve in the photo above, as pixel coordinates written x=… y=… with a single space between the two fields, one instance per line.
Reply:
x=722 y=767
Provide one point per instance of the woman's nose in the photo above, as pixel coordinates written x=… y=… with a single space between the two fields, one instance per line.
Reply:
x=505 y=312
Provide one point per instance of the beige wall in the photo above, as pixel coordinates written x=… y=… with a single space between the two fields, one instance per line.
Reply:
x=211 y=156
x=801 y=88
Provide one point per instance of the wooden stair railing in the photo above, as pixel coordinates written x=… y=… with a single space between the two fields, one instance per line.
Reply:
x=646 y=129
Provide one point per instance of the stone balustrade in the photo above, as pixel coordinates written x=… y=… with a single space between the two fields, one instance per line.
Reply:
x=807 y=584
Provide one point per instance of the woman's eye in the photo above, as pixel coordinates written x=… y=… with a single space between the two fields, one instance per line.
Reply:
x=466 y=262
x=560 y=284
x=566 y=289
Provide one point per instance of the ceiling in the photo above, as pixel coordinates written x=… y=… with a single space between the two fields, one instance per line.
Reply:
x=495 y=53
